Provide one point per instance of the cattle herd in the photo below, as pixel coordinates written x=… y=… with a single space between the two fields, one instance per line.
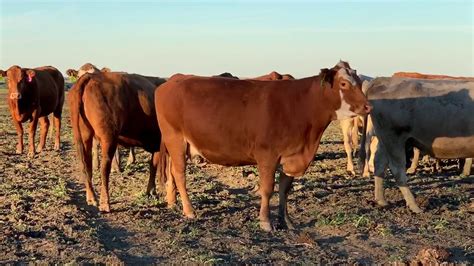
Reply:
x=273 y=121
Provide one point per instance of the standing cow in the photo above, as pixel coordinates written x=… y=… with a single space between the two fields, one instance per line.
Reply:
x=247 y=122
x=32 y=95
x=434 y=116
x=115 y=108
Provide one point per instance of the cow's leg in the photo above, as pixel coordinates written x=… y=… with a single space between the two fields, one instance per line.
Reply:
x=170 y=187
x=57 y=128
x=176 y=149
x=467 y=167
x=95 y=154
x=131 y=156
x=108 y=146
x=381 y=162
x=266 y=173
x=19 y=134
x=86 y=161
x=414 y=161
x=32 y=133
x=355 y=136
x=151 y=188
x=285 y=187
x=346 y=125
x=116 y=161
x=44 y=121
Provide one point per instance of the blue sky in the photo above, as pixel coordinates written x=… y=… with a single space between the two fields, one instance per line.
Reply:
x=246 y=38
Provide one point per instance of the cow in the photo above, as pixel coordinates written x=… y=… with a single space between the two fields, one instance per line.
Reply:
x=90 y=68
x=434 y=116
x=274 y=76
x=115 y=108
x=412 y=169
x=33 y=94
x=350 y=131
x=226 y=75
x=251 y=122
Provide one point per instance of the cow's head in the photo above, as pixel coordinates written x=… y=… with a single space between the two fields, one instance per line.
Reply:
x=19 y=81
x=346 y=90
x=72 y=73
x=87 y=68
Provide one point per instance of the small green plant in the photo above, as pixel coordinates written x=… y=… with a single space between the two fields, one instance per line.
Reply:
x=384 y=231
x=440 y=224
x=361 y=221
x=60 y=190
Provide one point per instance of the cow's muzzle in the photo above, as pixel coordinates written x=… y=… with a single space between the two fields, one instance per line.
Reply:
x=15 y=96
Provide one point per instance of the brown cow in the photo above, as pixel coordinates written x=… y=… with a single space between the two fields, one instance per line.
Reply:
x=90 y=68
x=32 y=95
x=115 y=108
x=248 y=122
x=417 y=75
x=275 y=76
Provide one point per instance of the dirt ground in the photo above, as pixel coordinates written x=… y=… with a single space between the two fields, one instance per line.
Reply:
x=44 y=218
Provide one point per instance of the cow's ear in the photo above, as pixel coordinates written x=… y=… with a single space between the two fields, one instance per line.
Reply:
x=31 y=74
x=3 y=73
x=327 y=75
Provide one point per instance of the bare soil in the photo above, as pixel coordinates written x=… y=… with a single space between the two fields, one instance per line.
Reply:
x=44 y=218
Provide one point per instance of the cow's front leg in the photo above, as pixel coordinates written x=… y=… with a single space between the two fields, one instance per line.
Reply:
x=19 y=133
x=32 y=133
x=267 y=182
x=284 y=188
x=44 y=121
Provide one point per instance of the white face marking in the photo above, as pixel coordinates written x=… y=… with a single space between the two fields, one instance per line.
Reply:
x=344 y=111
x=343 y=74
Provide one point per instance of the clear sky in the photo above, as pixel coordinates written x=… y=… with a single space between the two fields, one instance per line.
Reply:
x=246 y=38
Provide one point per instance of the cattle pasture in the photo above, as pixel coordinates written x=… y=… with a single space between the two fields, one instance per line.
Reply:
x=44 y=216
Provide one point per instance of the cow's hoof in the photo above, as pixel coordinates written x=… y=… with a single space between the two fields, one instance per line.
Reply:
x=351 y=172
x=56 y=147
x=104 y=207
x=382 y=203
x=190 y=215
x=266 y=226
x=19 y=151
x=415 y=209
x=92 y=202
x=366 y=175
x=31 y=154
x=411 y=171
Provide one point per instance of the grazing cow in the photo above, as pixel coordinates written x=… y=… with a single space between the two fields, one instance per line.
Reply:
x=115 y=108
x=32 y=95
x=350 y=131
x=434 y=116
x=90 y=68
x=250 y=122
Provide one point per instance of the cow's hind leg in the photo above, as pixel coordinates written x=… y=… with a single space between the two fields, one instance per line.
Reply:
x=44 y=121
x=266 y=173
x=380 y=161
x=467 y=167
x=285 y=187
x=57 y=128
x=86 y=162
x=108 y=145
x=346 y=126
x=95 y=154
x=414 y=161
x=131 y=156
x=176 y=149
x=151 y=188
x=116 y=161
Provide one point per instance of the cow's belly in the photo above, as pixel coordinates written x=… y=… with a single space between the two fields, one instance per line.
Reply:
x=222 y=155
x=453 y=147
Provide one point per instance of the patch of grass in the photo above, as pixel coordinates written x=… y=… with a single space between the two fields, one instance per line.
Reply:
x=60 y=190
x=440 y=224
x=144 y=200
x=384 y=230
x=361 y=221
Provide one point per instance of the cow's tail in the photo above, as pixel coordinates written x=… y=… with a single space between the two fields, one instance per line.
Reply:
x=76 y=107
x=164 y=158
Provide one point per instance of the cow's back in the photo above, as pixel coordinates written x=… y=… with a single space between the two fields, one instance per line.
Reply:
x=50 y=84
x=436 y=114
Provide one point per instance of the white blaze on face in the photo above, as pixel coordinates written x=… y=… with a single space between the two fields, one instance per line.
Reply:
x=344 y=111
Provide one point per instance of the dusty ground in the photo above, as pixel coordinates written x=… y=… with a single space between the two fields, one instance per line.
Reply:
x=43 y=216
